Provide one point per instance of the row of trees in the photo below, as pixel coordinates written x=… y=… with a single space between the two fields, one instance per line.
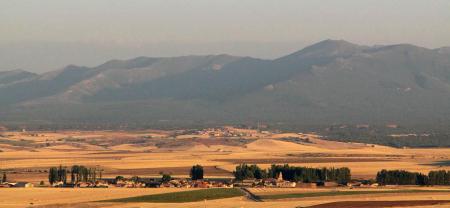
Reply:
x=57 y=175
x=292 y=173
x=77 y=174
x=440 y=177
x=402 y=177
x=196 y=173
x=84 y=174
x=244 y=171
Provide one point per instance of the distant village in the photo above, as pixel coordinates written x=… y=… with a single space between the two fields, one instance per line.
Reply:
x=277 y=176
x=245 y=176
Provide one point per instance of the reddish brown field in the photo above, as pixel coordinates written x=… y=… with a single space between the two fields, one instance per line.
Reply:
x=377 y=204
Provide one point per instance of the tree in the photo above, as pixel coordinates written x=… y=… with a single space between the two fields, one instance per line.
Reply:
x=135 y=179
x=119 y=178
x=4 y=179
x=196 y=172
x=244 y=171
x=62 y=174
x=100 y=174
x=75 y=174
x=402 y=177
x=57 y=175
x=440 y=177
x=307 y=175
x=343 y=175
x=52 y=175
x=166 y=178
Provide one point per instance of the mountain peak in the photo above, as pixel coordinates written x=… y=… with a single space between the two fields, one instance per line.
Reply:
x=12 y=76
x=15 y=71
x=326 y=48
x=334 y=43
x=331 y=45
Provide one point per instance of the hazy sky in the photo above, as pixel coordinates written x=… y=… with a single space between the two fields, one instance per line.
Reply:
x=43 y=35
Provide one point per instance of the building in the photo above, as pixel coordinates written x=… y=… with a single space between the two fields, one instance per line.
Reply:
x=58 y=184
x=23 y=185
x=284 y=184
x=101 y=184
x=83 y=185
x=306 y=185
x=327 y=183
x=247 y=183
x=153 y=184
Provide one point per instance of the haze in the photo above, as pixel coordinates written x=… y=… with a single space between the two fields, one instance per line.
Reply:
x=45 y=35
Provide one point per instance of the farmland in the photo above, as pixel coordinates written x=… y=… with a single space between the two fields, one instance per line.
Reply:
x=185 y=196
x=27 y=156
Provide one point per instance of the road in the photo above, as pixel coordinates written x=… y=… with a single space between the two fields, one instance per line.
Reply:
x=250 y=195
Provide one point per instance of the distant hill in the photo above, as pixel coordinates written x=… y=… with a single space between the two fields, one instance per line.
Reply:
x=10 y=77
x=332 y=81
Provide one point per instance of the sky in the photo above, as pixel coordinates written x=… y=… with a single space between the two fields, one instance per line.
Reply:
x=45 y=35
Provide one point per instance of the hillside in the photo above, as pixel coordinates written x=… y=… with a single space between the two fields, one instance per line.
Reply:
x=333 y=81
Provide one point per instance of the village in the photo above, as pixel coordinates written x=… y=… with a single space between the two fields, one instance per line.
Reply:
x=245 y=176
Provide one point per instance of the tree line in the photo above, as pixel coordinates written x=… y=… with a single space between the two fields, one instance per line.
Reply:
x=84 y=174
x=78 y=173
x=402 y=177
x=293 y=173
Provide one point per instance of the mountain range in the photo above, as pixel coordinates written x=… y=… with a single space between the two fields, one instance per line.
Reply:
x=332 y=81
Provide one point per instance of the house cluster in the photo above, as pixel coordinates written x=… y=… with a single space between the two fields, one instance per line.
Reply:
x=173 y=183
x=185 y=183
x=267 y=182
x=223 y=132
x=280 y=183
x=232 y=132
x=362 y=184
x=97 y=184
x=16 y=185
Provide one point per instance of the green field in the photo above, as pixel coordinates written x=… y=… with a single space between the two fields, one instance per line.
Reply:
x=340 y=193
x=184 y=196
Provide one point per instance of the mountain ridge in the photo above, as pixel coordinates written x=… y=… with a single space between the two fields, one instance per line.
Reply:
x=331 y=81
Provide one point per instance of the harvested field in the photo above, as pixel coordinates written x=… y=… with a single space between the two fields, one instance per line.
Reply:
x=23 y=197
x=377 y=204
x=343 y=155
x=211 y=170
x=345 y=193
x=299 y=160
